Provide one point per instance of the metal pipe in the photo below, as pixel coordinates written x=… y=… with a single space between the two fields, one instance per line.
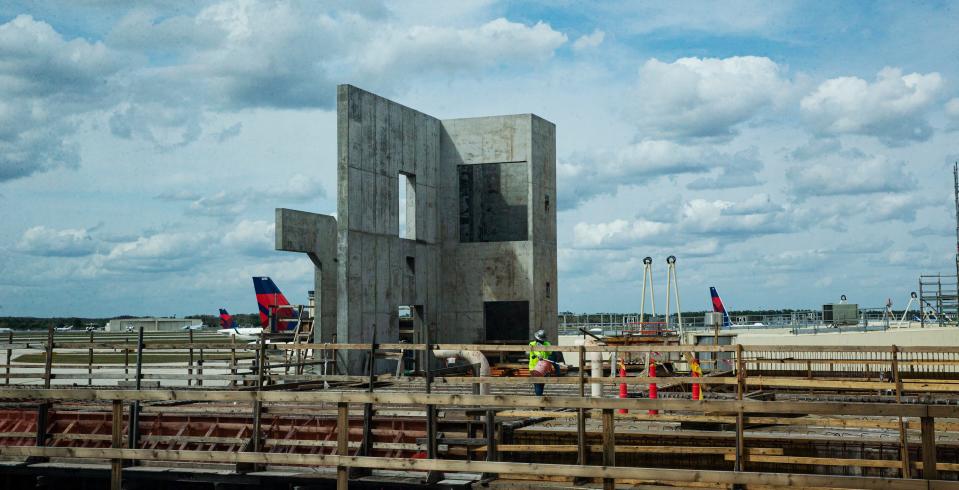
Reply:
x=472 y=357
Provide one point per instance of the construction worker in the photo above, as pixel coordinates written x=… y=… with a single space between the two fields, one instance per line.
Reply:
x=539 y=339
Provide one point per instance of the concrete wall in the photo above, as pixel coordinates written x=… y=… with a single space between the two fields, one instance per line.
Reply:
x=478 y=272
x=378 y=139
x=315 y=235
x=513 y=189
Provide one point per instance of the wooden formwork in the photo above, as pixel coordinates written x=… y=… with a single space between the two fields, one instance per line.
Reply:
x=246 y=419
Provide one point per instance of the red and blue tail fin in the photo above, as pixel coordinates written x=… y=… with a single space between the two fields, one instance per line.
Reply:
x=226 y=321
x=719 y=307
x=269 y=296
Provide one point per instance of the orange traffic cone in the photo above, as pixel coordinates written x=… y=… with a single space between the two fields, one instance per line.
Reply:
x=652 y=386
x=623 y=392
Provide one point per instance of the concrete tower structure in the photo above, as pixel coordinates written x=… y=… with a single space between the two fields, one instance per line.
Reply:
x=473 y=251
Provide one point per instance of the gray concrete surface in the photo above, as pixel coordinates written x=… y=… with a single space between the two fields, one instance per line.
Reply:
x=481 y=222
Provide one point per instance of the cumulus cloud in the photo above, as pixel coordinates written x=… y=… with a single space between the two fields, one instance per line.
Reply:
x=707 y=97
x=718 y=220
x=49 y=242
x=46 y=80
x=229 y=133
x=432 y=48
x=603 y=171
x=865 y=176
x=254 y=238
x=901 y=207
x=230 y=204
x=162 y=252
x=893 y=108
x=738 y=170
x=590 y=41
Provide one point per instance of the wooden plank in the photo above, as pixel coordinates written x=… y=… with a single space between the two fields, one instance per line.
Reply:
x=929 y=448
x=116 y=463
x=609 y=447
x=598 y=448
x=342 y=444
x=490 y=401
x=656 y=474
x=859 y=463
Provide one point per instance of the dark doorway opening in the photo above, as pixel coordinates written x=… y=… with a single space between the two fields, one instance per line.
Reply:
x=506 y=320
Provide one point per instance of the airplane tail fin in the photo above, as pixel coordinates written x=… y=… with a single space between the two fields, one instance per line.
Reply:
x=226 y=321
x=269 y=296
x=719 y=307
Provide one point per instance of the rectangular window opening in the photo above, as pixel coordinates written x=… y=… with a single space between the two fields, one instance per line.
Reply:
x=411 y=265
x=407 y=205
x=493 y=202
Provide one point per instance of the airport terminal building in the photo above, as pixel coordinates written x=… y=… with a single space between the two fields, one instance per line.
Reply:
x=151 y=324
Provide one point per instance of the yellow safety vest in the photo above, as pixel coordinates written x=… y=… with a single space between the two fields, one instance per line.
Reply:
x=536 y=355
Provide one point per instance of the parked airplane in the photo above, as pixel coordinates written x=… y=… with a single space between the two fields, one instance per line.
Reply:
x=226 y=321
x=64 y=328
x=719 y=307
x=267 y=296
x=229 y=327
x=193 y=327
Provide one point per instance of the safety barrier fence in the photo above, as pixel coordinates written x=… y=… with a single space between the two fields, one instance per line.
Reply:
x=228 y=363
x=929 y=419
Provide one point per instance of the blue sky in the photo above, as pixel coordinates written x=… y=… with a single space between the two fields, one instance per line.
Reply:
x=785 y=152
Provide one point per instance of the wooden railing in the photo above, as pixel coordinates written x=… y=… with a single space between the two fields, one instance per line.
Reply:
x=739 y=411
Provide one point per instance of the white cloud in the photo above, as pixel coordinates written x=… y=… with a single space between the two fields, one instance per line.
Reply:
x=603 y=171
x=618 y=233
x=590 y=41
x=430 y=48
x=706 y=97
x=251 y=237
x=695 y=219
x=897 y=206
x=737 y=170
x=952 y=107
x=892 y=108
x=865 y=176
x=48 y=242
x=46 y=80
x=228 y=204
x=162 y=252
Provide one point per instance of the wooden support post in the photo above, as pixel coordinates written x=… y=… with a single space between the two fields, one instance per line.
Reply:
x=233 y=369
x=582 y=449
x=740 y=372
x=90 y=362
x=491 y=452
x=928 y=429
x=740 y=463
x=256 y=441
x=366 y=446
x=199 y=370
x=116 y=465
x=582 y=453
x=609 y=446
x=904 y=455
x=43 y=409
x=432 y=448
x=342 y=443
x=189 y=381
x=9 y=355
x=48 y=359
x=134 y=431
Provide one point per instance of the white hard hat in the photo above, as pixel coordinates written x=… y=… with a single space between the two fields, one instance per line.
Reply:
x=540 y=335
